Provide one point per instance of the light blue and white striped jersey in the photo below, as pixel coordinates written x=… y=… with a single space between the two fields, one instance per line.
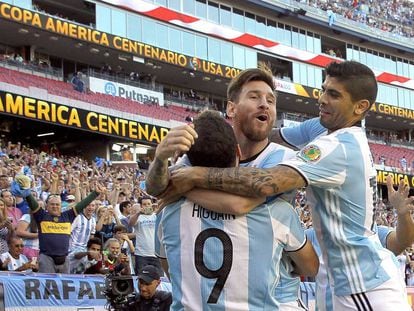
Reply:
x=341 y=178
x=82 y=228
x=223 y=262
x=287 y=289
x=383 y=232
x=324 y=299
x=303 y=133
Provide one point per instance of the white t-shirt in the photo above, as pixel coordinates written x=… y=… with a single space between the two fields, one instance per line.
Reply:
x=145 y=235
x=14 y=263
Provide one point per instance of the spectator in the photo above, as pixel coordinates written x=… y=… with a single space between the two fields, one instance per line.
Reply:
x=54 y=240
x=82 y=260
x=125 y=209
x=77 y=82
x=331 y=16
x=403 y=163
x=127 y=246
x=112 y=260
x=144 y=225
x=6 y=228
x=14 y=260
x=107 y=219
x=13 y=213
x=28 y=231
x=83 y=228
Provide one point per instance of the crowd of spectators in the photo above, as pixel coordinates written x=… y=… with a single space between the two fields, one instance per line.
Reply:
x=93 y=205
x=394 y=16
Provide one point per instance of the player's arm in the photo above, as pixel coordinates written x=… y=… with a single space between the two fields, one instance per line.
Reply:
x=178 y=139
x=223 y=202
x=165 y=267
x=243 y=181
x=403 y=236
x=299 y=135
x=305 y=260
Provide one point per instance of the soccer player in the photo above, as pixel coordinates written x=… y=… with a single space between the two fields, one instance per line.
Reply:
x=252 y=110
x=395 y=240
x=220 y=260
x=338 y=171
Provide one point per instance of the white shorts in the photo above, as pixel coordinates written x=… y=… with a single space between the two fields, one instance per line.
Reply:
x=391 y=295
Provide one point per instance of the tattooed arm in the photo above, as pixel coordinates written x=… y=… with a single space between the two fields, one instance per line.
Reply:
x=178 y=139
x=244 y=181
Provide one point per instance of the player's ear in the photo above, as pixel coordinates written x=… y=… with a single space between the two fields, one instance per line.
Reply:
x=230 y=109
x=362 y=106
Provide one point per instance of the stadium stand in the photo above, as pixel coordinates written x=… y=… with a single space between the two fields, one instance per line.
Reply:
x=64 y=89
x=389 y=15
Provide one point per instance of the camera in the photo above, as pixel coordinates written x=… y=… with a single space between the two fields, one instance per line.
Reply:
x=119 y=292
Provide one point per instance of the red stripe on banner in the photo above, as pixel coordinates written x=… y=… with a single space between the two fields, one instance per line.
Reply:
x=251 y=41
x=389 y=77
x=322 y=60
x=169 y=15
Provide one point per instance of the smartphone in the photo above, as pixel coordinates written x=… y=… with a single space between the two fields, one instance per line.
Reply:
x=124 y=251
x=34 y=260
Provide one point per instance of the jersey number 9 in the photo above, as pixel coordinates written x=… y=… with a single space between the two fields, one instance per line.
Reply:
x=222 y=272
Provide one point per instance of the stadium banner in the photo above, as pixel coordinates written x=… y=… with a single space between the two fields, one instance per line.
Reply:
x=209 y=28
x=376 y=107
x=126 y=91
x=396 y=177
x=58 y=114
x=91 y=35
x=51 y=292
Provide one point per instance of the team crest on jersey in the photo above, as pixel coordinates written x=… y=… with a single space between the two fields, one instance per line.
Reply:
x=310 y=153
x=55 y=219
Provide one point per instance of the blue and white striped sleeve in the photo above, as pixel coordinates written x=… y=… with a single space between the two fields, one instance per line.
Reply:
x=159 y=246
x=302 y=134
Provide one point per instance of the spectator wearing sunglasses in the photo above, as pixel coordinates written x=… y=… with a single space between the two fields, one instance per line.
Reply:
x=14 y=260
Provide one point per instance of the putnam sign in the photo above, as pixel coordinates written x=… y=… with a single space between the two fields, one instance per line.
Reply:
x=36 y=109
x=82 y=33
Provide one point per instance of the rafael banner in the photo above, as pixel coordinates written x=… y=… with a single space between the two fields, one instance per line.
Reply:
x=50 y=292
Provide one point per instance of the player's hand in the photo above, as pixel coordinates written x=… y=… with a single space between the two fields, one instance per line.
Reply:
x=178 y=140
x=399 y=198
x=180 y=183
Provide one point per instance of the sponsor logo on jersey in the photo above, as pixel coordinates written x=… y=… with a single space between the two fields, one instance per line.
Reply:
x=310 y=153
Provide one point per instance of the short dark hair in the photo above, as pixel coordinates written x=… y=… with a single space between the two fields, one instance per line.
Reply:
x=248 y=75
x=123 y=205
x=118 y=228
x=216 y=144
x=359 y=80
x=145 y=197
x=94 y=240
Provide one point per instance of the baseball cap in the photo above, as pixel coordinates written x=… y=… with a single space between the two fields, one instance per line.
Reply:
x=70 y=197
x=148 y=274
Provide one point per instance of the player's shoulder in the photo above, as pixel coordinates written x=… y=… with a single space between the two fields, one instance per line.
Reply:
x=280 y=209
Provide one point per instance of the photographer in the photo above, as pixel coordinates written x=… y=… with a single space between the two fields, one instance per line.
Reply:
x=149 y=298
